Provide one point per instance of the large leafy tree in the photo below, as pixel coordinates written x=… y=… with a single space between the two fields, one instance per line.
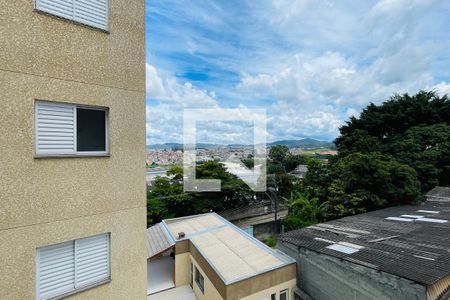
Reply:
x=168 y=200
x=281 y=162
x=414 y=130
x=363 y=182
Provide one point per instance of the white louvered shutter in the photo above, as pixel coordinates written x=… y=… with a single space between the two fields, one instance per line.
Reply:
x=55 y=128
x=92 y=260
x=60 y=8
x=56 y=270
x=90 y=12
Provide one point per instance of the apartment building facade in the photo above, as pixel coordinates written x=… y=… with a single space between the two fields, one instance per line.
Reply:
x=72 y=149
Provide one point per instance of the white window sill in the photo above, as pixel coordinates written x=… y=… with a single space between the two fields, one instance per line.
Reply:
x=72 y=21
x=72 y=155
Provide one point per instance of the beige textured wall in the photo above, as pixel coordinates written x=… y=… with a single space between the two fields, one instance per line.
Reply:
x=254 y=285
x=50 y=200
x=265 y=294
x=48 y=189
x=210 y=292
x=18 y=254
x=38 y=44
x=182 y=269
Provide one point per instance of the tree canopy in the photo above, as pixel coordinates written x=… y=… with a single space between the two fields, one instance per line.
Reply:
x=390 y=155
x=414 y=130
x=168 y=200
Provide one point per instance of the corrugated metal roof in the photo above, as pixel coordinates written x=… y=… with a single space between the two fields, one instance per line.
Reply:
x=419 y=251
x=158 y=240
x=439 y=193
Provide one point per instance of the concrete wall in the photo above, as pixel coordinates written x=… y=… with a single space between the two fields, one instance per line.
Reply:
x=265 y=294
x=18 y=251
x=182 y=269
x=210 y=292
x=50 y=200
x=327 y=278
x=265 y=230
x=284 y=276
x=42 y=45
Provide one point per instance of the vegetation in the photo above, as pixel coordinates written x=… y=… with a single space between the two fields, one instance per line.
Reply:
x=414 y=130
x=168 y=200
x=390 y=155
x=359 y=182
x=305 y=212
x=270 y=241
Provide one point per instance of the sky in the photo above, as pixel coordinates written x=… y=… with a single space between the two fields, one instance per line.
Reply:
x=311 y=64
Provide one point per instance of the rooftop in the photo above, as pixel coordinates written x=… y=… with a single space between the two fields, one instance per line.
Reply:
x=231 y=252
x=412 y=242
x=158 y=240
x=439 y=193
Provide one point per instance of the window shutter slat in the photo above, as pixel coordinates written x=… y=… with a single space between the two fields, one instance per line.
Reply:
x=60 y=8
x=55 y=128
x=90 y=12
x=92 y=259
x=56 y=269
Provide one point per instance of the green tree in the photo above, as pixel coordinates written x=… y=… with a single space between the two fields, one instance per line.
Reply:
x=291 y=162
x=304 y=212
x=278 y=153
x=316 y=180
x=363 y=182
x=412 y=129
x=168 y=200
x=426 y=148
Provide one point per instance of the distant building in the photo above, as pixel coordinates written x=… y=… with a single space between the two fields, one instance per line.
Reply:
x=395 y=253
x=300 y=171
x=257 y=219
x=217 y=260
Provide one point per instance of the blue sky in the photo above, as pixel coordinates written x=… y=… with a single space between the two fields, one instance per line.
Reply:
x=310 y=63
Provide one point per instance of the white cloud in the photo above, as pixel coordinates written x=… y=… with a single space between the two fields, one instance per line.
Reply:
x=168 y=97
x=154 y=84
x=442 y=88
x=312 y=64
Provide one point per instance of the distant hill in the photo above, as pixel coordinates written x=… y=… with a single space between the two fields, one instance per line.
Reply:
x=306 y=143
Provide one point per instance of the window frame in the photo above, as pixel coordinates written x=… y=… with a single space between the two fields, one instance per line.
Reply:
x=201 y=288
x=72 y=20
x=286 y=291
x=76 y=289
x=191 y=274
x=76 y=153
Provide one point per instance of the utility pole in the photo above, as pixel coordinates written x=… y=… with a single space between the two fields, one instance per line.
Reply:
x=273 y=196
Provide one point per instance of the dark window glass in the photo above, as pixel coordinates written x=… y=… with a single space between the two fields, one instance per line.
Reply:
x=273 y=297
x=284 y=295
x=91 y=135
x=199 y=280
x=191 y=275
